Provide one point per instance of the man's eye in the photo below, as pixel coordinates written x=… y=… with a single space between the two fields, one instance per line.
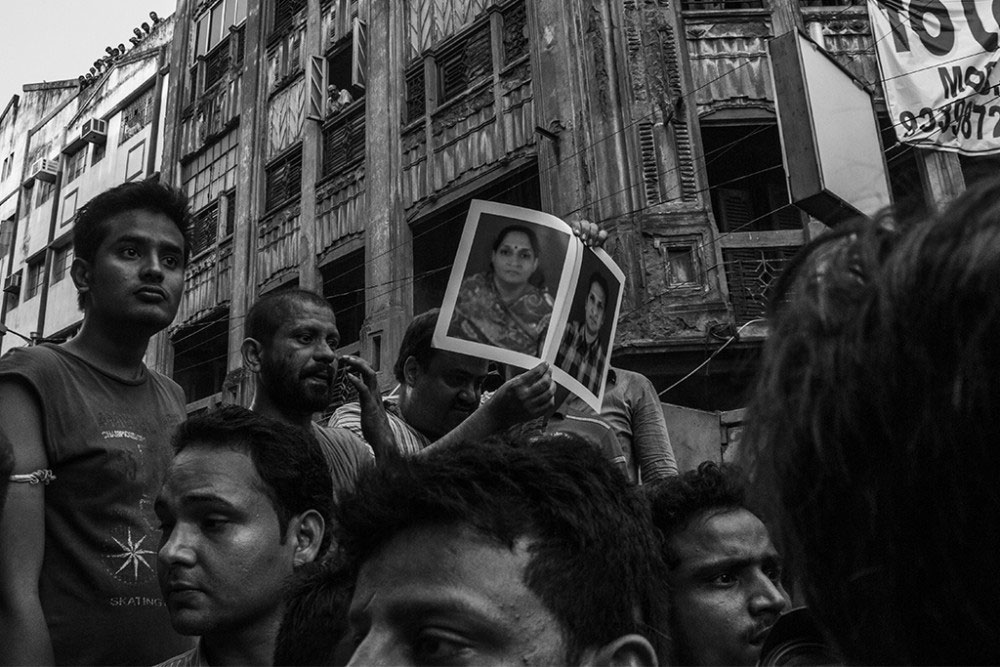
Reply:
x=773 y=573
x=211 y=523
x=724 y=579
x=172 y=262
x=129 y=251
x=433 y=648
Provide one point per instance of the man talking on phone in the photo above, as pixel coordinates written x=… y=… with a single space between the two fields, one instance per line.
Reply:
x=290 y=345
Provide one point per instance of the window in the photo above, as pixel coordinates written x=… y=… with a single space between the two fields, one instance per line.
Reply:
x=416 y=104
x=12 y=288
x=284 y=14
x=283 y=179
x=217 y=63
x=746 y=178
x=137 y=115
x=76 y=164
x=212 y=27
x=98 y=153
x=45 y=190
x=36 y=275
x=200 y=355
x=27 y=198
x=344 y=288
x=62 y=258
x=680 y=266
x=205 y=229
x=750 y=273
x=230 y=199
x=465 y=63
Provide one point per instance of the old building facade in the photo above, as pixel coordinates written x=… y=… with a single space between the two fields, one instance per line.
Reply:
x=336 y=145
x=67 y=141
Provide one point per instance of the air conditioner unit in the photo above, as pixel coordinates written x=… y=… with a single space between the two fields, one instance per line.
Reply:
x=12 y=285
x=95 y=131
x=44 y=170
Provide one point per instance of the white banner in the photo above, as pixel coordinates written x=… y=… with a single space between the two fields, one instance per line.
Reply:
x=937 y=59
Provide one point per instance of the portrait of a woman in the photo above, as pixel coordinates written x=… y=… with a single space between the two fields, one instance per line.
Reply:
x=506 y=305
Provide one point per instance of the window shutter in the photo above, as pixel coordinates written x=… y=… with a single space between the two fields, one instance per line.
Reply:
x=317 y=88
x=359 y=55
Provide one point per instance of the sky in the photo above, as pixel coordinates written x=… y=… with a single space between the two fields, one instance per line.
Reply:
x=51 y=40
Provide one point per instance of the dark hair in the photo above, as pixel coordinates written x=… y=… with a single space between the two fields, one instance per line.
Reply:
x=417 y=342
x=527 y=231
x=875 y=421
x=594 y=559
x=89 y=227
x=315 y=616
x=598 y=277
x=289 y=460
x=676 y=501
x=269 y=311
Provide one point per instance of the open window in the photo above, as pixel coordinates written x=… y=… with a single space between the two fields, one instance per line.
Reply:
x=746 y=177
x=200 y=356
x=344 y=288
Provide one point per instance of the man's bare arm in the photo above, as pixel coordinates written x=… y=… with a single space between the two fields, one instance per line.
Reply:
x=374 y=421
x=519 y=399
x=22 y=534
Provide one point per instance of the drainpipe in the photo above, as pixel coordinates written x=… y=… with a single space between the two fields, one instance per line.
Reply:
x=53 y=221
x=162 y=67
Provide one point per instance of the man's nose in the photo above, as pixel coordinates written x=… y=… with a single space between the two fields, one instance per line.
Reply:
x=152 y=268
x=375 y=650
x=768 y=596
x=178 y=548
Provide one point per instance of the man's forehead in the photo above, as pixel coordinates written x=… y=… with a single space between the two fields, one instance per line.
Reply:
x=453 y=362
x=297 y=313
x=201 y=469
x=722 y=534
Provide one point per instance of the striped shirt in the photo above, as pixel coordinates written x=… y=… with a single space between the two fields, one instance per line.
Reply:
x=408 y=440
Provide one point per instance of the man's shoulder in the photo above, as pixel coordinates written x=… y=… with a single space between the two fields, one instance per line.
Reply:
x=191 y=658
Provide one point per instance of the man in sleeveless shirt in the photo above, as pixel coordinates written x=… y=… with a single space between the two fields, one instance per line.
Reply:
x=290 y=345
x=90 y=426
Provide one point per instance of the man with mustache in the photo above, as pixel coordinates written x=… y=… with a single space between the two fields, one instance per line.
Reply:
x=723 y=573
x=437 y=402
x=291 y=342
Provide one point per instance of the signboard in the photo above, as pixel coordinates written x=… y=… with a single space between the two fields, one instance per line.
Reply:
x=937 y=59
x=829 y=133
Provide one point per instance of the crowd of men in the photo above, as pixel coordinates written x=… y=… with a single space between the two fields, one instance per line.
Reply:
x=432 y=526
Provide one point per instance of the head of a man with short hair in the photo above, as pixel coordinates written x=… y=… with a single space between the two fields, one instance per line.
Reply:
x=246 y=501
x=440 y=389
x=723 y=573
x=534 y=552
x=291 y=344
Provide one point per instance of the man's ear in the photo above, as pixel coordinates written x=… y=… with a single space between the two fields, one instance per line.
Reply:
x=251 y=349
x=411 y=370
x=307 y=531
x=629 y=650
x=80 y=272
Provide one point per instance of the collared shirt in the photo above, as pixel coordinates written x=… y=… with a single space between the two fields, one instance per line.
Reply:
x=582 y=360
x=408 y=440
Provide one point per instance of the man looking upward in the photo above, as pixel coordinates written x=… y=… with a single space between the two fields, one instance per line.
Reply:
x=77 y=579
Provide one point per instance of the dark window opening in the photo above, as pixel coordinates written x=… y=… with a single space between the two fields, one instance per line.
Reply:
x=283 y=179
x=904 y=174
x=205 y=229
x=36 y=275
x=746 y=178
x=62 y=258
x=435 y=238
x=200 y=355
x=217 y=63
x=344 y=288
x=230 y=211
x=340 y=74
x=465 y=63
x=515 y=32
x=416 y=105
x=284 y=14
